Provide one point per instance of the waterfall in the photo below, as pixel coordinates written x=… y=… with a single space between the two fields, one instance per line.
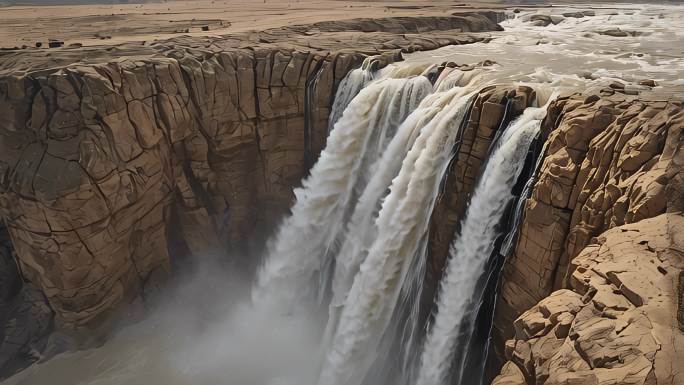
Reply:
x=349 y=87
x=357 y=234
x=307 y=238
x=392 y=112
x=362 y=228
x=401 y=227
x=472 y=247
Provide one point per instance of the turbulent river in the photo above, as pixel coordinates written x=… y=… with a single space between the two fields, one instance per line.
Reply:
x=336 y=300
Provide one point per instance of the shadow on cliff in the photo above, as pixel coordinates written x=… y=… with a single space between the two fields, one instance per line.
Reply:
x=203 y=331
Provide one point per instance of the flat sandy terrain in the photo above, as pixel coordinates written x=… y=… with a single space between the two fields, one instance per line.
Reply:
x=116 y=23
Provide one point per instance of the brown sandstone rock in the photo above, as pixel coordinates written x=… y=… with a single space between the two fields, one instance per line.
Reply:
x=510 y=375
x=619 y=323
x=609 y=162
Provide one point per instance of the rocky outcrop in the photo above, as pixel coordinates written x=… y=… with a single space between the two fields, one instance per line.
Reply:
x=620 y=323
x=610 y=162
x=617 y=32
x=117 y=162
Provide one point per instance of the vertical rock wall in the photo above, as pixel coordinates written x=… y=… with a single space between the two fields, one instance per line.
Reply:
x=24 y=312
x=107 y=154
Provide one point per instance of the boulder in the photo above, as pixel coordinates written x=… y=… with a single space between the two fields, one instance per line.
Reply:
x=577 y=15
x=617 y=32
x=545 y=20
x=648 y=83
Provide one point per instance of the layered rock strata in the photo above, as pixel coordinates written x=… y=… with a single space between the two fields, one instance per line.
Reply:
x=117 y=162
x=611 y=162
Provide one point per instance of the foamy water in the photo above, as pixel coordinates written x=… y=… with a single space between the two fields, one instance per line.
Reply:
x=401 y=226
x=327 y=197
x=573 y=54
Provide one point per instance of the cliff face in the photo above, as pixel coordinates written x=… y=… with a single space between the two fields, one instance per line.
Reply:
x=112 y=169
x=596 y=224
x=586 y=261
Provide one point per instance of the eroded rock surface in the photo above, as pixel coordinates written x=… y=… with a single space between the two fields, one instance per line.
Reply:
x=619 y=323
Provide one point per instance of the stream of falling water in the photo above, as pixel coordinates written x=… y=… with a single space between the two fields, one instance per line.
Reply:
x=350 y=86
x=401 y=225
x=324 y=202
x=469 y=251
x=363 y=227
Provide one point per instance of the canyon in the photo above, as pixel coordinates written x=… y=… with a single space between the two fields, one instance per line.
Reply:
x=124 y=167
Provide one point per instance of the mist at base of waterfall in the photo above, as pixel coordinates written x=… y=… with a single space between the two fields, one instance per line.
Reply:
x=205 y=332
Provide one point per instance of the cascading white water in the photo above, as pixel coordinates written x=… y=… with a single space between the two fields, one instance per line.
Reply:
x=471 y=248
x=401 y=225
x=349 y=87
x=327 y=196
x=361 y=228
x=390 y=116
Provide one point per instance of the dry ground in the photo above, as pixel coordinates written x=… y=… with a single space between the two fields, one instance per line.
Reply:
x=116 y=23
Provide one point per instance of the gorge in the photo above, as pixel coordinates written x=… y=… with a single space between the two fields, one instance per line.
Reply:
x=478 y=197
